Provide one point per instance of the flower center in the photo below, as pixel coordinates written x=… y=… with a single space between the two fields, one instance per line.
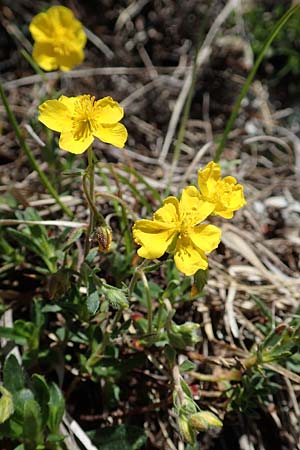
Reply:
x=187 y=224
x=222 y=192
x=84 y=119
x=62 y=40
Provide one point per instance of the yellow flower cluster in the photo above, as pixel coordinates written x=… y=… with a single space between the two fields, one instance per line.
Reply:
x=59 y=39
x=59 y=42
x=177 y=226
x=80 y=119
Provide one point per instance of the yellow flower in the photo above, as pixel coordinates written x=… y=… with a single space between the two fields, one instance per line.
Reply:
x=59 y=39
x=176 y=228
x=80 y=119
x=225 y=193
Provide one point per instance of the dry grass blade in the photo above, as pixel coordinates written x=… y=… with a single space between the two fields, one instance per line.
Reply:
x=201 y=57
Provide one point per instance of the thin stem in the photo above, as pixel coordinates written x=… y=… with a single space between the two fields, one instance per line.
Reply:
x=177 y=384
x=89 y=191
x=134 y=279
x=119 y=200
x=159 y=315
x=91 y=171
x=149 y=302
x=139 y=273
x=279 y=25
x=100 y=350
x=96 y=213
x=30 y=156
x=33 y=64
x=116 y=319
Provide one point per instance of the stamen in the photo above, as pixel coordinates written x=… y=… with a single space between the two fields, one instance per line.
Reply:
x=84 y=117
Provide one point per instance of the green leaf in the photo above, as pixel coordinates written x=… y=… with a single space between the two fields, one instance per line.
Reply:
x=187 y=366
x=25 y=241
x=56 y=408
x=73 y=237
x=6 y=404
x=119 y=437
x=59 y=283
x=12 y=335
x=200 y=280
x=192 y=447
x=51 y=309
x=186 y=389
x=92 y=302
x=54 y=438
x=13 y=377
x=42 y=395
x=116 y=297
x=170 y=354
x=20 y=397
x=32 y=430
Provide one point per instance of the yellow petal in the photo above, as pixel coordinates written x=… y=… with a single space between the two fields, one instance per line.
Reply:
x=108 y=111
x=206 y=237
x=154 y=237
x=222 y=212
x=41 y=28
x=193 y=207
x=49 y=57
x=208 y=178
x=60 y=14
x=229 y=196
x=54 y=115
x=44 y=55
x=169 y=212
x=64 y=19
x=69 y=102
x=70 y=58
x=46 y=25
x=189 y=258
x=235 y=199
x=112 y=134
x=59 y=39
x=68 y=143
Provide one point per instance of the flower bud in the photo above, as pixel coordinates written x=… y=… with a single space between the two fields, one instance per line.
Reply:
x=185 y=429
x=104 y=237
x=116 y=297
x=182 y=336
x=204 y=420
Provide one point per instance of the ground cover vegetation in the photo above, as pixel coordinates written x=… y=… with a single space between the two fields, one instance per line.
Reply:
x=149 y=225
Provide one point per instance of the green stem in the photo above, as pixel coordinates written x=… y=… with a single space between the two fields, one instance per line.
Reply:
x=88 y=183
x=149 y=302
x=33 y=64
x=278 y=26
x=30 y=156
x=139 y=273
x=134 y=279
x=118 y=200
x=100 y=349
x=125 y=227
x=159 y=315
x=91 y=171
x=117 y=317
